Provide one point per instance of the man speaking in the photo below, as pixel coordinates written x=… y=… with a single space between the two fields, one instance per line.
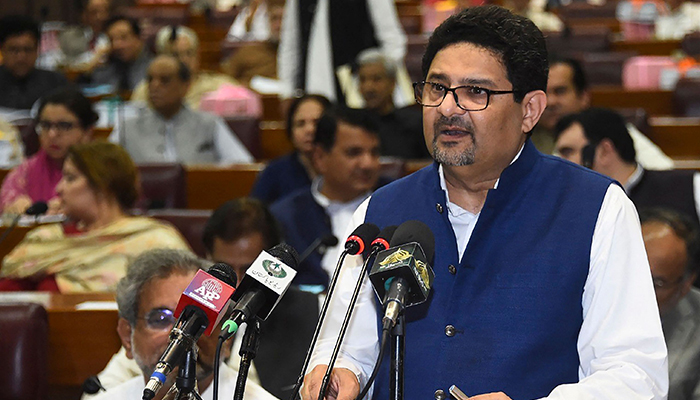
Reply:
x=542 y=287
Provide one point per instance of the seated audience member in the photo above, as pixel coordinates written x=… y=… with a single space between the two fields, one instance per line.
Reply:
x=597 y=138
x=21 y=83
x=251 y=23
x=401 y=130
x=11 y=147
x=235 y=234
x=85 y=44
x=683 y=17
x=672 y=246
x=182 y=42
x=128 y=59
x=346 y=157
x=258 y=59
x=567 y=93
x=294 y=171
x=65 y=118
x=147 y=297
x=167 y=130
x=91 y=250
x=544 y=20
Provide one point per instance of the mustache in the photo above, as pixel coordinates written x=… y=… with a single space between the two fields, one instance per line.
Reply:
x=454 y=121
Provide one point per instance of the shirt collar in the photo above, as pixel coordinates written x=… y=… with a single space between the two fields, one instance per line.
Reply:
x=326 y=203
x=453 y=208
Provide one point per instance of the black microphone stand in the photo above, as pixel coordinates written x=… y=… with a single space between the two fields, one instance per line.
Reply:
x=398 y=347
x=249 y=349
x=319 y=324
x=186 y=381
x=346 y=322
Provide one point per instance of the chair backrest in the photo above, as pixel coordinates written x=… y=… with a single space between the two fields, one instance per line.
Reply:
x=605 y=68
x=247 y=129
x=686 y=97
x=162 y=185
x=691 y=44
x=572 y=42
x=24 y=337
x=190 y=223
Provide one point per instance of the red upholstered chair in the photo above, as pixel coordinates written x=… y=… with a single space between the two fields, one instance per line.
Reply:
x=691 y=44
x=190 y=223
x=248 y=131
x=162 y=185
x=24 y=338
x=686 y=97
x=573 y=42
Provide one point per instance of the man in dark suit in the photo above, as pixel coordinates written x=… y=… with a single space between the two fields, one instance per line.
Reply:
x=672 y=246
x=21 y=83
x=346 y=157
x=236 y=233
x=597 y=138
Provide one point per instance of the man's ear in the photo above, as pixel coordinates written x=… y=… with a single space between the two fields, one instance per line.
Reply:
x=124 y=331
x=533 y=105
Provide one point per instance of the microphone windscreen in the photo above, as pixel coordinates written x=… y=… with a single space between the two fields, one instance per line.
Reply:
x=329 y=240
x=224 y=273
x=415 y=231
x=286 y=254
x=384 y=237
x=38 y=208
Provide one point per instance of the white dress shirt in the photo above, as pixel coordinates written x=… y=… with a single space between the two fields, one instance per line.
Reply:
x=133 y=388
x=620 y=345
x=340 y=215
x=320 y=75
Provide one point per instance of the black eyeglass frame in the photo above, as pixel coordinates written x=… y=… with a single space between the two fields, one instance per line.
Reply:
x=489 y=93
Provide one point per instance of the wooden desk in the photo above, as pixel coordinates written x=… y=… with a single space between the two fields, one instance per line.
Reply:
x=655 y=102
x=273 y=140
x=648 y=47
x=677 y=136
x=12 y=239
x=209 y=186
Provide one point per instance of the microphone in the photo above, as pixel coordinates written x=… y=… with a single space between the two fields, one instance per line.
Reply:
x=36 y=209
x=401 y=275
x=383 y=239
x=327 y=240
x=200 y=308
x=262 y=287
x=356 y=242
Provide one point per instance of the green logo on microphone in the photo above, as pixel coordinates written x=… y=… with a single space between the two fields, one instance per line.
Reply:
x=274 y=269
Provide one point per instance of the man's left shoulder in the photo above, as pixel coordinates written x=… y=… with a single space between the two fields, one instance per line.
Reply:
x=575 y=174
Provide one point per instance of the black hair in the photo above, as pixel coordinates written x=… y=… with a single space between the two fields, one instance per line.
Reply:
x=135 y=28
x=237 y=218
x=327 y=126
x=579 y=75
x=74 y=101
x=683 y=227
x=14 y=25
x=297 y=102
x=599 y=124
x=515 y=39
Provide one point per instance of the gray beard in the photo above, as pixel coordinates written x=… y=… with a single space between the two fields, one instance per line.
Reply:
x=452 y=158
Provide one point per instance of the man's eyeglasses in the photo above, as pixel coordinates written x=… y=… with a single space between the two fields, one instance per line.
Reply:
x=468 y=98
x=160 y=319
x=60 y=126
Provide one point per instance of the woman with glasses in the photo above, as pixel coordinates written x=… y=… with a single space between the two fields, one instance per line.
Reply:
x=90 y=251
x=65 y=118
